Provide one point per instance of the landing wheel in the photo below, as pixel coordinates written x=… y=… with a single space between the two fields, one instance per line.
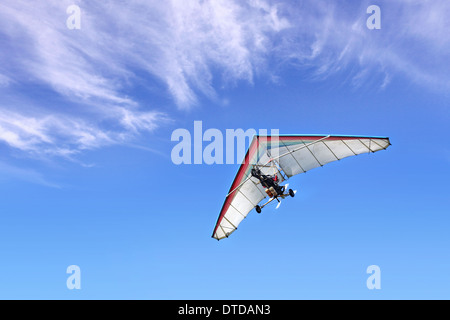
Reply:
x=291 y=193
x=258 y=209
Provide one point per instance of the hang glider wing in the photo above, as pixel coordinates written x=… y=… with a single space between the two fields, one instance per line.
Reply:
x=287 y=155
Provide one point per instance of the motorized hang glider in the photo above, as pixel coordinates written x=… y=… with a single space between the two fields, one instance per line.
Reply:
x=270 y=160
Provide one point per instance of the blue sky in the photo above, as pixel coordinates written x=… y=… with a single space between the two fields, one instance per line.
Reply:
x=86 y=176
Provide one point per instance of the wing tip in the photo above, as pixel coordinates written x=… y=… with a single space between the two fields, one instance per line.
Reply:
x=215 y=237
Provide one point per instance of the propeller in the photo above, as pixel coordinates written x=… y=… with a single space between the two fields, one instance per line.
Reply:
x=278 y=205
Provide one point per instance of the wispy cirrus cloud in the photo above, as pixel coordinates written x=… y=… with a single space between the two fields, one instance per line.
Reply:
x=8 y=171
x=189 y=49
x=65 y=136
x=332 y=38
x=92 y=70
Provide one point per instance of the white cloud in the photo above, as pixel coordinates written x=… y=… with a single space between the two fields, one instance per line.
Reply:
x=4 y=80
x=190 y=46
x=179 y=42
x=60 y=135
x=29 y=175
x=413 y=42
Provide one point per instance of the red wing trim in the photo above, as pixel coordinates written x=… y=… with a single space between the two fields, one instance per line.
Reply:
x=237 y=180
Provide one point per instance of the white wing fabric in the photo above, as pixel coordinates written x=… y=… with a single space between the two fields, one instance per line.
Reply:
x=288 y=155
